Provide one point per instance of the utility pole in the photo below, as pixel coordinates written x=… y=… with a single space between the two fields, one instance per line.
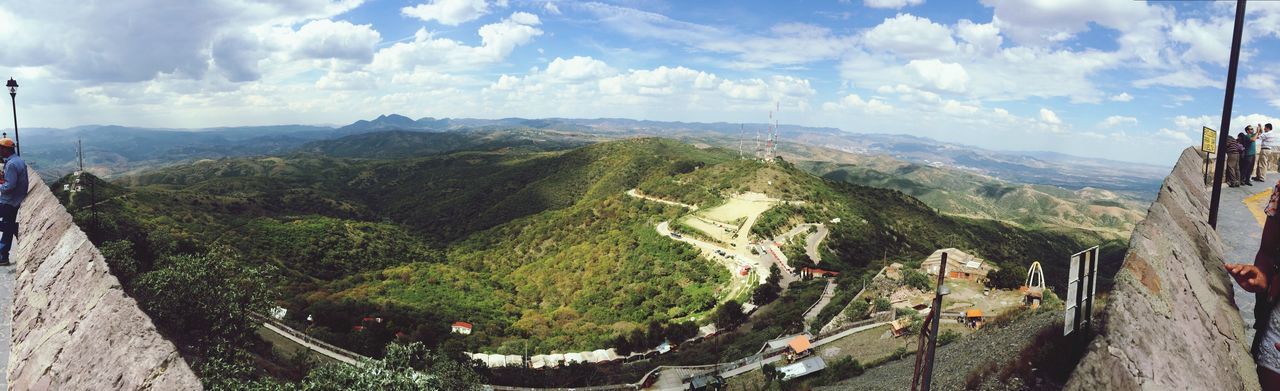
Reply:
x=1224 y=130
x=923 y=377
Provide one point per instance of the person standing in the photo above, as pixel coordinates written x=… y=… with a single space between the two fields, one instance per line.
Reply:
x=13 y=191
x=1233 y=161
x=1262 y=278
x=1249 y=140
x=1269 y=145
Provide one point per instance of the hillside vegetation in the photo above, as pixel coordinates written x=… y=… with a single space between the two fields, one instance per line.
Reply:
x=960 y=193
x=540 y=250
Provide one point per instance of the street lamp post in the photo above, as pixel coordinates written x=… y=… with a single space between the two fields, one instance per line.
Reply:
x=13 y=97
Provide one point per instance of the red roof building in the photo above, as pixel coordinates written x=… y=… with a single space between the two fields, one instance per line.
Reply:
x=463 y=328
x=820 y=272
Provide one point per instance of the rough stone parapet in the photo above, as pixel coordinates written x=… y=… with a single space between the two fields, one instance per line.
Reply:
x=1171 y=322
x=73 y=326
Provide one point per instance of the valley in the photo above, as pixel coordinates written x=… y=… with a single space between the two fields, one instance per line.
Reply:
x=542 y=248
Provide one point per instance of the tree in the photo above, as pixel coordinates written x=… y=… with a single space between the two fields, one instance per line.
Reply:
x=728 y=314
x=770 y=372
x=769 y=291
x=843 y=368
x=205 y=300
x=680 y=332
x=857 y=310
x=947 y=337
x=882 y=304
x=655 y=334
x=121 y=259
x=621 y=345
x=1007 y=278
x=915 y=279
x=405 y=367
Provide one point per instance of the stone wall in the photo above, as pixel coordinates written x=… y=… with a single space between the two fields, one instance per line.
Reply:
x=1171 y=322
x=73 y=326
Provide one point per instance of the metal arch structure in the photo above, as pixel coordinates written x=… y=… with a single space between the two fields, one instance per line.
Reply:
x=1035 y=274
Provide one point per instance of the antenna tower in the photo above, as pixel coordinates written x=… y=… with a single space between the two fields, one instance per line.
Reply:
x=772 y=148
x=758 y=153
x=741 y=132
x=80 y=153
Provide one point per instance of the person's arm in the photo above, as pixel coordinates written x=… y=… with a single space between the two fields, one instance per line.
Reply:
x=1259 y=277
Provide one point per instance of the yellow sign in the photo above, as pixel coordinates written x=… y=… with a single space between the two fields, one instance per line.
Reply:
x=1209 y=140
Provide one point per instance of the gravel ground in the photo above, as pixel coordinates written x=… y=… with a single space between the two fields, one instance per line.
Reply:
x=955 y=361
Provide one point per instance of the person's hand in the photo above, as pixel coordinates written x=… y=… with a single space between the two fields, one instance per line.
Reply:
x=1249 y=277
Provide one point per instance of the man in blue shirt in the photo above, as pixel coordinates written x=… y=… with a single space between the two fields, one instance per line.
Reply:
x=13 y=190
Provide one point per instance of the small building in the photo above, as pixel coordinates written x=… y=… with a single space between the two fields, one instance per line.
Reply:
x=899 y=326
x=778 y=343
x=278 y=313
x=554 y=360
x=802 y=367
x=816 y=272
x=663 y=348
x=463 y=328
x=798 y=347
x=706 y=382
x=973 y=318
x=960 y=265
x=603 y=355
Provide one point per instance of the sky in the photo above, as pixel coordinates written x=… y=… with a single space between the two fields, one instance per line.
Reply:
x=1117 y=79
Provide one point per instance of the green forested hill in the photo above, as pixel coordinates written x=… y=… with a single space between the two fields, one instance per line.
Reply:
x=398 y=144
x=541 y=248
x=960 y=193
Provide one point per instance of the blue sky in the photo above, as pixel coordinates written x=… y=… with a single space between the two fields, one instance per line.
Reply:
x=1119 y=79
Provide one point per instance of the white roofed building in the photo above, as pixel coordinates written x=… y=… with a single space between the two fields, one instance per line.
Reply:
x=960 y=265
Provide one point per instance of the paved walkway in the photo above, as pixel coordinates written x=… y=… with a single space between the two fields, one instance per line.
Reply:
x=827 y=294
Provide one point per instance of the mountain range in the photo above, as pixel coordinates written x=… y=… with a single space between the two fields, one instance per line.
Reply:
x=111 y=150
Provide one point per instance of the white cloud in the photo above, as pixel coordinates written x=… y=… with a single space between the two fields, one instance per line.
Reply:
x=578 y=69
x=910 y=36
x=782 y=44
x=981 y=38
x=358 y=80
x=1047 y=21
x=497 y=41
x=1173 y=135
x=894 y=4
x=586 y=85
x=325 y=39
x=1049 y=117
x=958 y=108
x=940 y=75
x=1121 y=97
x=994 y=72
x=1117 y=120
x=855 y=102
x=99 y=42
x=1207 y=41
x=450 y=12
x=1193 y=77
x=551 y=8
x=1187 y=123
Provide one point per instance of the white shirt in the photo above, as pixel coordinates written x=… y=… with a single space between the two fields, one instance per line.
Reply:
x=1268 y=140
